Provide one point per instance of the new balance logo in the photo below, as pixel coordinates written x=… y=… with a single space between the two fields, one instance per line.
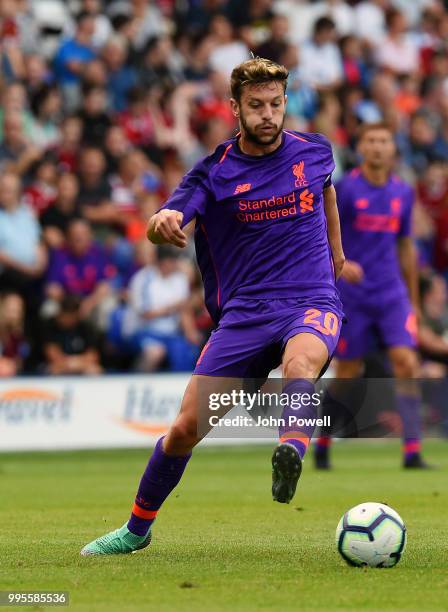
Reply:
x=242 y=188
x=362 y=203
x=306 y=201
x=395 y=206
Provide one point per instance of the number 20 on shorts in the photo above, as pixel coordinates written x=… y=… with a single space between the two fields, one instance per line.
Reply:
x=326 y=323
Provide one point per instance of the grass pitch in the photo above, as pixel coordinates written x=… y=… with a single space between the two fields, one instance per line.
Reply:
x=220 y=543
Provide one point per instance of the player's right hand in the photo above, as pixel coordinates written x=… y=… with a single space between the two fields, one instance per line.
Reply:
x=164 y=228
x=352 y=272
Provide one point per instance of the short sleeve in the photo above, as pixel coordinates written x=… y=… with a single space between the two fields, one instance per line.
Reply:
x=327 y=160
x=193 y=193
x=323 y=151
x=406 y=214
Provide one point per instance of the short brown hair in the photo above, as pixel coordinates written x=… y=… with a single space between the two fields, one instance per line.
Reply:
x=254 y=71
x=364 y=128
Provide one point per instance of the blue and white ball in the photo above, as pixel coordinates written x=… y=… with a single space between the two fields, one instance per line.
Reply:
x=371 y=534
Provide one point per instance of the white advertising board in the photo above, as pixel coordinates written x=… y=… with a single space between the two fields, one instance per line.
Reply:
x=83 y=412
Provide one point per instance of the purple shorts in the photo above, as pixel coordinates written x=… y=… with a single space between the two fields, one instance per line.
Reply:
x=387 y=323
x=252 y=334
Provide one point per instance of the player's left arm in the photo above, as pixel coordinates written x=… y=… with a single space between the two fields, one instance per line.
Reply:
x=334 y=230
x=407 y=254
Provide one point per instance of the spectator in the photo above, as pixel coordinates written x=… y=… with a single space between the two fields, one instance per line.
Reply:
x=148 y=22
x=14 y=101
x=137 y=120
x=408 y=100
x=46 y=104
x=433 y=188
x=159 y=65
x=94 y=116
x=67 y=150
x=95 y=191
x=72 y=56
x=433 y=337
x=13 y=345
x=397 y=51
x=197 y=67
x=354 y=66
x=70 y=343
x=37 y=73
x=136 y=180
x=370 y=22
x=12 y=57
x=102 y=27
x=422 y=140
x=22 y=256
x=41 y=192
x=227 y=51
x=57 y=217
x=274 y=47
x=80 y=268
x=95 y=73
x=162 y=325
x=342 y=14
x=121 y=78
x=16 y=152
x=321 y=58
x=137 y=224
x=251 y=20
x=214 y=103
x=116 y=145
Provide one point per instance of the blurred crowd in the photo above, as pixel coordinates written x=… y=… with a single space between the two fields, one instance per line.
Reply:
x=105 y=105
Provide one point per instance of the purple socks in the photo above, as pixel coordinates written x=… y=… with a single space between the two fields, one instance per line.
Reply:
x=161 y=476
x=300 y=415
x=409 y=410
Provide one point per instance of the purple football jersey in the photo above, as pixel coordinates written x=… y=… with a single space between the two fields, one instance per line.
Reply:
x=372 y=219
x=261 y=229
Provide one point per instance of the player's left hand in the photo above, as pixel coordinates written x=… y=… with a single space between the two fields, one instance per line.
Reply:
x=338 y=263
x=352 y=272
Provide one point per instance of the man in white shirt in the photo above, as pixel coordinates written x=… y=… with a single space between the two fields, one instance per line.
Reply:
x=227 y=52
x=22 y=256
x=370 y=20
x=398 y=51
x=321 y=64
x=303 y=15
x=158 y=319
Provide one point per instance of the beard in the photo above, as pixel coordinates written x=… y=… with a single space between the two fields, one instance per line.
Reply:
x=260 y=139
x=378 y=163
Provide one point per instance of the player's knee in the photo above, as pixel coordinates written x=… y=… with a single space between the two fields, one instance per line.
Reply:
x=405 y=365
x=301 y=366
x=348 y=369
x=183 y=433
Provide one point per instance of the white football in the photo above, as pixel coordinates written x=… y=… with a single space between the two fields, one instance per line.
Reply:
x=371 y=534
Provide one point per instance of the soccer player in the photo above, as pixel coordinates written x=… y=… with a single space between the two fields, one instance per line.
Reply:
x=379 y=284
x=268 y=245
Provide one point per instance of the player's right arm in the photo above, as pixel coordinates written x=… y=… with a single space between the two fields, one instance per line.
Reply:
x=187 y=202
x=165 y=228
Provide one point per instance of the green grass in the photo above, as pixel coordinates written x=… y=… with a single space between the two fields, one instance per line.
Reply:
x=220 y=543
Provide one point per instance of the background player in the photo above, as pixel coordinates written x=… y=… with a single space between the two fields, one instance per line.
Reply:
x=379 y=285
x=267 y=237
